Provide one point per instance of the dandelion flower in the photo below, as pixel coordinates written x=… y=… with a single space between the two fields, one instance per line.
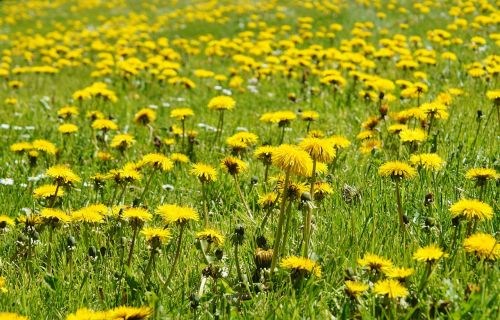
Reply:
x=481 y=175
x=137 y=214
x=122 y=141
x=393 y=289
x=145 y=116
x=292 y=159
x=430 y=161
x=181 y=113
x=12 y=316
x=300 y=265
x=104 y=125
x=319 y=149
x=128 y=313
x=172 y=213
x=397 y=170
x=157 y=161
x=62 y=174
x=471 y=209
x=90 y=214
x=374 y=262
x=50 y=215
x=221 y=103
x=211 y=236
x=5 y=221
x=47 y=191
x=412 y=135
x=67 y=128
x=233 y=165
x=429 y=253
x=355 y=288
x=398 y=273
x=156 y=234
x=483 y=245
x=204 y=172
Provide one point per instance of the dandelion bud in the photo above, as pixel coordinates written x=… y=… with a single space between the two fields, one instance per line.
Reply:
x=254 y=180
x=195 y=300
x=35 y=236
x=102 y=251
x=261 y=242
x=455 y=221
x=263 y=258
x=71 y=242
x=305 y=197
x=219 y=253
x=239 y=234
x=430 y=222
x=406 y=220
x=3 y=224
x=383 y=110
x=206 y=272
x=349 y=274
x=429 y=199
x=292 y=97
x=92 y=252
x=479 y=115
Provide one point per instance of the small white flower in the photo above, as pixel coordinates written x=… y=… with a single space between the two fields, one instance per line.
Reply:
x=7 y=181
x=168 y=187
x=227 y=92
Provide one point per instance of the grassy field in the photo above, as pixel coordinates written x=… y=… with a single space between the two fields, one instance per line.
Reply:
x=246 y=159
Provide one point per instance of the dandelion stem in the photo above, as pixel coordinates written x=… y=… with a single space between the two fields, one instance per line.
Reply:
x=238 y=268
x=136 y=228
x=400 y=206
x=150 y=264
x=279 y=230
x=49 y=253
x=205 y=204
x=242 y=198
x=287 y=227
x=176 y=258
x=307 y=222
x=146 y=186
x=54 y=197
x=183 y=133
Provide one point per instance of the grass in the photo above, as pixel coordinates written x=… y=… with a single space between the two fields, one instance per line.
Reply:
x=89 y=262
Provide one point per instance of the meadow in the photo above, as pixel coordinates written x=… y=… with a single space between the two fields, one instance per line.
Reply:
x=249 y=159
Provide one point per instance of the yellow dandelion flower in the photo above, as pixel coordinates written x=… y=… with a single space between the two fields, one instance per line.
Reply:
x=5 y=221
x=12 y=316
x=156 y=161
x=47 y=191
x=364 y=135
x=268 y=200
x=91 y=214
x=20 y=147
x=397 y=128
x=204 y=172
x=309 y=115
x=355 y=288
x=51 y=215
x=104 y=125
x=181 y=113
x=145 y=116
x=412 y=135
x=320 y=150
x=67 y=112
x=128 y=313
x=471 y=209
x=264 y=154
x=122 y=141
x=233 y=165
x=137 y=215
x=179 y=158
x=393 y=289
x=429 y=253
x=172 y=213
x=62 y=174
x=156 y=234
x=483 y=245
x=292 y=159
x=302 y=266
x=221 y=103
x=481 y=175
x=430 y=161
x=211 y=236
x=398 y=273
x=45 y=146
x=67 y=128
x=397 y=170
x=374 y=262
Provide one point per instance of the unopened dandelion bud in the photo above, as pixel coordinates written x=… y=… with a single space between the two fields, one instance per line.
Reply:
x=92 y=252
x=429 y=199
x=430 y=222
x=219 y=254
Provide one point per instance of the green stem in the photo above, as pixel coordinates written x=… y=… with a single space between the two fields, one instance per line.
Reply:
x=129 y=260
x=242 y=198
x=150 y=265
x=400 y=207
x=146 y=186
x=176 y=258
x=307 y=223
x=279 y=230
x=205 y=203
